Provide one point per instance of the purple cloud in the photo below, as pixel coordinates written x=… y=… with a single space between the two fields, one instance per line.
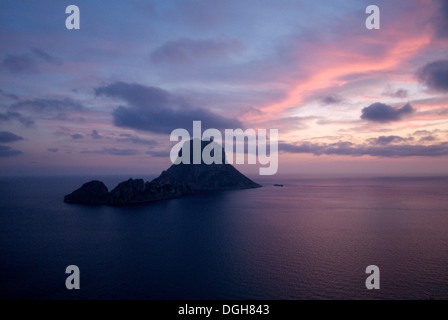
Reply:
x=440 y=21
x=9 y=96
x=385 y=140
x=77 y=136
x=428 y=139
x=7 y=137
x=29 y=63
x=435 y=75
x=95 y=135
x=350 y=149
x=44 y=56
x=158 y=154
x=6 y=151
x=20 y=64
x=50 y=105
x=113 y=152
x=331 y=99
x=380 y=112
x=399 y=93
x=136 y=140
x=157 y=110
x=187 y=50
x=16 y=116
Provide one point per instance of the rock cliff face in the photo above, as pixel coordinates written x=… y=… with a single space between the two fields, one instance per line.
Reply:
x=94 y=192
x=177 y=181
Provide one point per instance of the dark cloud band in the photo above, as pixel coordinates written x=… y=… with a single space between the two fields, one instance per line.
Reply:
x=157 y=110
x=113 y=152
x=350 y=149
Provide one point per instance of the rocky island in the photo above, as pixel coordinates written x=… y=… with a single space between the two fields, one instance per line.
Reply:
x=177 y=181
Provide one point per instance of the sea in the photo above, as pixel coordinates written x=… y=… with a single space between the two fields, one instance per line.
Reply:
x=312 y=238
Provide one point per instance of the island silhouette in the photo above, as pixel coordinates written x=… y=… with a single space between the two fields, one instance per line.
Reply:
x=177 y=181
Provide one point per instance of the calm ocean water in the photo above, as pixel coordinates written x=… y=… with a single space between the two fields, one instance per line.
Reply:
x=311 y=239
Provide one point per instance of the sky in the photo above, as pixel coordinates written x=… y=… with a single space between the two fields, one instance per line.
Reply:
x=104 y=99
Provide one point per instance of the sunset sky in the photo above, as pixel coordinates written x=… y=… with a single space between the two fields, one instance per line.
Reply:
x=104 y=99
